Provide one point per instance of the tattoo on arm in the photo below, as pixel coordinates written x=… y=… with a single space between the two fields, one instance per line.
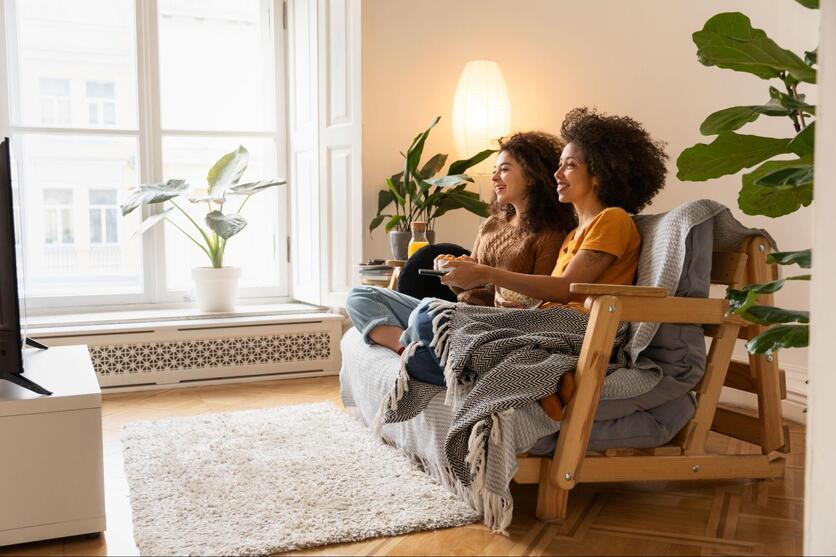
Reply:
x=594 y=256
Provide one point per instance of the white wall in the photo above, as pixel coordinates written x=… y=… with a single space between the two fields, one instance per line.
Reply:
x=820 y=502
x=635 y=58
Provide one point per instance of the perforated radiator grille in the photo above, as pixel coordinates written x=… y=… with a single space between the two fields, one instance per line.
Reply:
x=119 y=359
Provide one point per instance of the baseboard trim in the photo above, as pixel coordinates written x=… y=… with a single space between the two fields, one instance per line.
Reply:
x=220 y=381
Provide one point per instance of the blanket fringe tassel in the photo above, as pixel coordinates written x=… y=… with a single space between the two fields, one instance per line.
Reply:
x=399 y=388
x=497 y=511
x=442 y=312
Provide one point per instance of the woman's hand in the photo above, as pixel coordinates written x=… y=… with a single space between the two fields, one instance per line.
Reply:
x=466 y=274
x=446 y=257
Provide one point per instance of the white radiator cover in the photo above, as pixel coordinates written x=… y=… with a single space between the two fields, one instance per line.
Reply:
x=187 y=351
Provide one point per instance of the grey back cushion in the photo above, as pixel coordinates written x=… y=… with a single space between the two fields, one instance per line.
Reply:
x=679 y=350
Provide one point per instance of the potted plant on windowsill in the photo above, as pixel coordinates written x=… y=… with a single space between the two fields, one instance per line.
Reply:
x=417 y=196
x=216 y=285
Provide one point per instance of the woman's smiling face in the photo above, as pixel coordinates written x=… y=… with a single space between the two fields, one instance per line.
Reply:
x=509 y=180
x=574 y=181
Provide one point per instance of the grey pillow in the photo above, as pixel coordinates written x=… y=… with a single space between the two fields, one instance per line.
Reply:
x=679 y=350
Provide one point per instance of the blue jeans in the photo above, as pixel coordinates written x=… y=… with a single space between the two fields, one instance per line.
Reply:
x=371 y=306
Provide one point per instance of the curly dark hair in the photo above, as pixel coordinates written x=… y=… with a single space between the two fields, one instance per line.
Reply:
x=538 y=154
x=628 y=163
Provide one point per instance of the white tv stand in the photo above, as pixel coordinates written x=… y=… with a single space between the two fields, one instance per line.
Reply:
x=51 y=469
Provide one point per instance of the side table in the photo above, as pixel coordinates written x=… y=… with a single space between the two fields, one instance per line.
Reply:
x=51 y=468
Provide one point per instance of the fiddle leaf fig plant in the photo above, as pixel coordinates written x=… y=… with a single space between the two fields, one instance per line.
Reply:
x=416 y=194
x=781 y=179
x=220 y=224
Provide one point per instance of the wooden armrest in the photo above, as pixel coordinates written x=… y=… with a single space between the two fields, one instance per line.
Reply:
x=592 y=289
x=670 y=309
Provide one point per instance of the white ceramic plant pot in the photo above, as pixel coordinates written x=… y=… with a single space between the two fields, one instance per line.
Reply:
x=216 y=289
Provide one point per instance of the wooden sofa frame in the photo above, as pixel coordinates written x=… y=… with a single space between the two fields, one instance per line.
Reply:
x=685 y=458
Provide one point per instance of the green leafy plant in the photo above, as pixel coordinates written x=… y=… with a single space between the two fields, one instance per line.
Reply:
x=417 y=195
x=222 y=181
x=776 y=186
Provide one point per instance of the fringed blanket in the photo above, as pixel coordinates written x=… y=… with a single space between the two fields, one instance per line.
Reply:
x=494 y=361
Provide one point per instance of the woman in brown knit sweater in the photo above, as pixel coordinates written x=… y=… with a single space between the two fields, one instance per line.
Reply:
x=528 y=224
x=523 y=235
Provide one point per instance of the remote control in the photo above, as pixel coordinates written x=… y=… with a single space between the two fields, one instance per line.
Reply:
x=433 y=272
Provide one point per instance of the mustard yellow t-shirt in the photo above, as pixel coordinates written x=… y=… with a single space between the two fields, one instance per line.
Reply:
x=611 y=231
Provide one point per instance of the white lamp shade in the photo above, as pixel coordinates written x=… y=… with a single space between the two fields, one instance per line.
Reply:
x=481 y=110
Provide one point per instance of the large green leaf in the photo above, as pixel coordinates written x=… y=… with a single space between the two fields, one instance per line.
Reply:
x=729 y=41
x=154 y=193
x=432 y=166
x=151 y=221
x=812 y=4
x=470 y=203
x=227 y=170
x=253 y=187
x=384 y=199
x=778 y=337
x=376 y=221
x=395 y=192
x=461 y=166
x=225 y=226
x=791 y=103
x=804 y=143
x=413 y=154
x=449 y=181
x=394 y=221
x=727 y=154
x=795 y=174
x=733 y=118
x=811 y=57
x=769 y=315
x=769 y=201
x=741 y=299
x=802 y=258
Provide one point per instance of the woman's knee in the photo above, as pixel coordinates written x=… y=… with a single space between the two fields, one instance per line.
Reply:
x=358 y=301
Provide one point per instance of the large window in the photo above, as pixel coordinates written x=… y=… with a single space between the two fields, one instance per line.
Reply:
x=109 y=94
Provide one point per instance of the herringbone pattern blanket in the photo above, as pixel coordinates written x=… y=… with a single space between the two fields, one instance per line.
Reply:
x=504 y=359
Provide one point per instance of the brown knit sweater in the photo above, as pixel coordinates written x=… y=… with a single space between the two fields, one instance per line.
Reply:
x=502 y=245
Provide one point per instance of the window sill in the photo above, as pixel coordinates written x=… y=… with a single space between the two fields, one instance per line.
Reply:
x=146 y=318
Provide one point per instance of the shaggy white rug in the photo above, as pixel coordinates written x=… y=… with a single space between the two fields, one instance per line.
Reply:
x=264 y=481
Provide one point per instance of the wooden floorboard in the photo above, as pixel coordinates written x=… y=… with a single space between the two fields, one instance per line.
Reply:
x=647 y=518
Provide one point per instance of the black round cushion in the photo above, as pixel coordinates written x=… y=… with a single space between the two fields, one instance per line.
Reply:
x=424 y=286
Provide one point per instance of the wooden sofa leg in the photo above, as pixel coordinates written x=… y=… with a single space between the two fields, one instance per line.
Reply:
x=551 y=500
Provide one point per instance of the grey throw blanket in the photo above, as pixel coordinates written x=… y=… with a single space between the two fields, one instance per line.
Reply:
x=495 y=361
x=477 y=345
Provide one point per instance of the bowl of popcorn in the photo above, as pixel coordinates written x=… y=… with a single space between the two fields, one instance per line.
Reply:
x=515 y=297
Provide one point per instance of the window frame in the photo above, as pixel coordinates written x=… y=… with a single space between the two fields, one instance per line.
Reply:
x=149 y=137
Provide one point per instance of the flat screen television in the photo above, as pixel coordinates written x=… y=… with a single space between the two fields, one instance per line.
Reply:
x=11 y=339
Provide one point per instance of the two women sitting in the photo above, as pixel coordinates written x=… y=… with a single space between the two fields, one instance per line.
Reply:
x=532 y=248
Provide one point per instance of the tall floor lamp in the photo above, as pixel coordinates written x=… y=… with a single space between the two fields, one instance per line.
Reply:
x=481 y=115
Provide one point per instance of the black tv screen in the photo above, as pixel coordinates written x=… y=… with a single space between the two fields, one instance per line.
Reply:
x=11 y=359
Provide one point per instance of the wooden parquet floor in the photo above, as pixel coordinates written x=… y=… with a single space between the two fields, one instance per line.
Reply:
x=649 y=518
